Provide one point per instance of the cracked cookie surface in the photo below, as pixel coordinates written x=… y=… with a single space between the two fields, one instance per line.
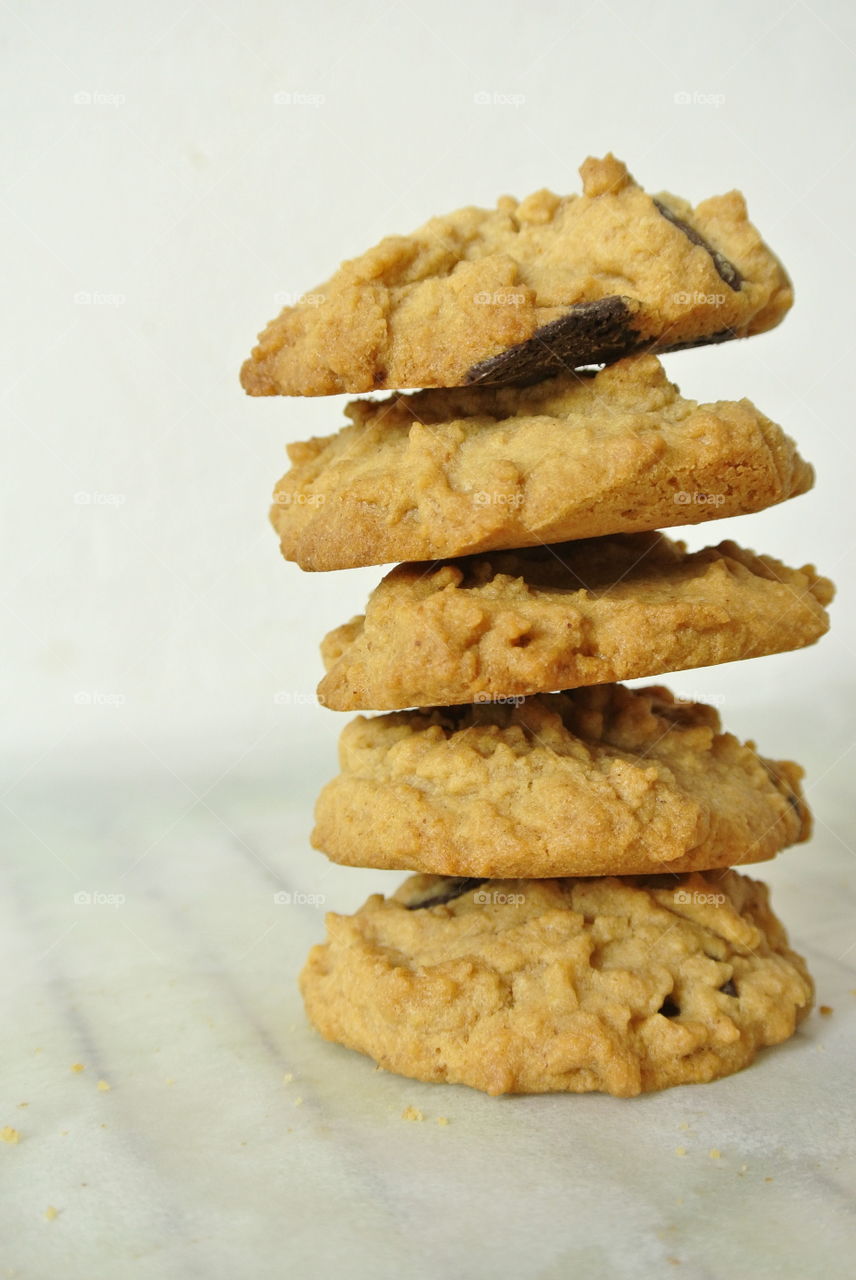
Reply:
x=449 y=473
x=596 y=781
x=518 y=292
x=533 y=986
x=561 y=616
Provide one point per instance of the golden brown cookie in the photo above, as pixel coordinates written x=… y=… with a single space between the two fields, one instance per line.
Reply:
x=521 y=291
x=535 y=986
x=448 y=473
x=597 y=781
x=557 y=617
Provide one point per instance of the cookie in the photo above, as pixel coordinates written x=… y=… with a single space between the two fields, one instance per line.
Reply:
x=597 y=781
x=449 y=473
x=535 y=986
x=522 y=291
x=557 y=617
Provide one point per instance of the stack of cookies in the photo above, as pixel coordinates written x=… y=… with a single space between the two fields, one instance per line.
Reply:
x=576 y=922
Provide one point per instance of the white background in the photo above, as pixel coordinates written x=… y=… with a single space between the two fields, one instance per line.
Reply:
x=149 y=629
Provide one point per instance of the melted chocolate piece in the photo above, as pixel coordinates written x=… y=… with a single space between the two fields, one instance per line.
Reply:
x=455 y=887
x=725 y=269
x=669 y=1009
x=589 y=333
x=729 y=988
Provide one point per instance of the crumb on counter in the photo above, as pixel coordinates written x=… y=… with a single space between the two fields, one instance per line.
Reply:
x=412 y=1113
x=78 y=1067
x=51 y=1212
x=298 y=1102
x=442 y=1120
x=715 y=1153
x=288 y=1077
x=8 y=1134
x=825 y=1009
x=104 y=1086
x=680 y=1151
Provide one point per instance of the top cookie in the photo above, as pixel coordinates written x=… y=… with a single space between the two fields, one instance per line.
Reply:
x=520 y=292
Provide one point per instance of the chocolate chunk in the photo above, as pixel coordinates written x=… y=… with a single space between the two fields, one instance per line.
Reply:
x=589 y=333
x=454 y=887
x=669 y=1009
x=729 y=988
x=727 y=270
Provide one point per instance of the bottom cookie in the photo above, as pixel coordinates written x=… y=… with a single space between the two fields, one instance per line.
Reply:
x=532 y=986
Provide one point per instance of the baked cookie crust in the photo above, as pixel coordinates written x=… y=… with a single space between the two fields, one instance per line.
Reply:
x=561 y=616
x=596 y=781
x=521 y=291
x=450 y=473
x=534 y=986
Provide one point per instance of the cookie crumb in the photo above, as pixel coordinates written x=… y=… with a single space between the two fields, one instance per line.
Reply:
x=298 y=1102
x=288 y=1077
x=23 y=1104
x=8 y=1134
x=104 y=1086
x=51 y=1212
x=680 y=1151
x=442 y=1120
x=825 y=1009
x=742 y=1169
x=78 y=1066
x=412 y=1113
x=170 y=1080
x=769 y=1179
x=715 y=1153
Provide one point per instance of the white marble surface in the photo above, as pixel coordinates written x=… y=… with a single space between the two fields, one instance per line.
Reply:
x=203 y=1160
